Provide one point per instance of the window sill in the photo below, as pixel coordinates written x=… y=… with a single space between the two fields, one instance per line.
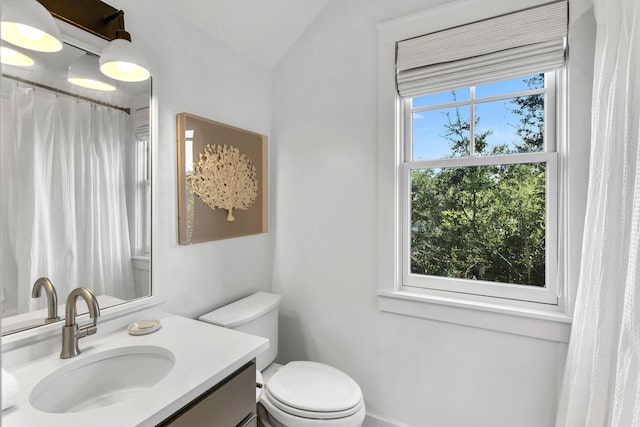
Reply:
x=536 y=323
x=141 y=263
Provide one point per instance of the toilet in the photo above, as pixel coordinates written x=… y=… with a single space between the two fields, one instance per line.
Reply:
x=300 y=393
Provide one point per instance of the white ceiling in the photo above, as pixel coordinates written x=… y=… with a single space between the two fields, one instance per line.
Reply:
x=261 y=30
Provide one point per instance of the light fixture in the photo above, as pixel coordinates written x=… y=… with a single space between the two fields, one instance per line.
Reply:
x=84 y=72
x=121 y=61
x=30 y=24
x=10 y=56
x=27 y=24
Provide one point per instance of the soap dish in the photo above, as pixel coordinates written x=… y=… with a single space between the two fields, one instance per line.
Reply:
x=143 y=327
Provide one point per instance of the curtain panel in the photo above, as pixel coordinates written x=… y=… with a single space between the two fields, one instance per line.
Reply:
x=65 y=195
x=601 y=384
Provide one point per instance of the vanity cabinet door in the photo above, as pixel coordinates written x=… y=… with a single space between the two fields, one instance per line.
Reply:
x=232 y=403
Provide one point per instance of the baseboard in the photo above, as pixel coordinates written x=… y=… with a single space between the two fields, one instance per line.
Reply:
x=375 y=421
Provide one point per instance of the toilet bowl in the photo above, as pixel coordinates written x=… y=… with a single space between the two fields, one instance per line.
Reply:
x=300 y=393
x=311 y=394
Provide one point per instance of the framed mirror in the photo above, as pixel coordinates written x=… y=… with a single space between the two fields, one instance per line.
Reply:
x=75 y=194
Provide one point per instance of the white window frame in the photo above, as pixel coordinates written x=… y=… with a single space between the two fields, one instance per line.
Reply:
x=544 y=321
x=547 y=294
x=142 y=184
x=143 y=197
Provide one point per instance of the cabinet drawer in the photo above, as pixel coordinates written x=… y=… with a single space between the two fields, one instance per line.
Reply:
x=228 y=404
x=250 y=421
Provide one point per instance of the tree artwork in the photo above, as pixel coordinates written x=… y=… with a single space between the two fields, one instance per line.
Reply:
x=224 y=178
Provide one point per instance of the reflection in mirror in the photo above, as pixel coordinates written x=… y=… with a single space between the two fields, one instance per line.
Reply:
x=75 y=189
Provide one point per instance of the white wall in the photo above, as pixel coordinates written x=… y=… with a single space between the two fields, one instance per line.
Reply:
x=413 y=372
x=196 y=74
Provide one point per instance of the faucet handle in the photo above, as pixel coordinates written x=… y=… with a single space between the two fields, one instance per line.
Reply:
x=86 y=330
x=89 y=328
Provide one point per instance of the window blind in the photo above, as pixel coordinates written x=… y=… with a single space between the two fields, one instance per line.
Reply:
x=508 y=46
x=141 y=123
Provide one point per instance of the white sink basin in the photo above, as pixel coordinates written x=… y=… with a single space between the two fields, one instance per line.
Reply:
x=102 y=379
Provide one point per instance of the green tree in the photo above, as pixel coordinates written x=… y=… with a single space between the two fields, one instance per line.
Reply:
x=530 y=108
x=482 y=222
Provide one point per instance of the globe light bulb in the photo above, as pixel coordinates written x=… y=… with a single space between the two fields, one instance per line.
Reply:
x=126 y=67
x=5 y=52
x=30 y=33
x=10 y=56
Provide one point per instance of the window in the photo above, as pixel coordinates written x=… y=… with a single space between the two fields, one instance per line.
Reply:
x=478 y=114
x=142 y=236
x=479 y=185
x=452 y=50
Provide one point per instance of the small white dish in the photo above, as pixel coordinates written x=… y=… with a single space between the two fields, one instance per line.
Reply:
x=143 y=327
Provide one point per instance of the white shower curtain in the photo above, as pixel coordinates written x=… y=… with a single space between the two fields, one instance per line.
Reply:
x=602 y=376
x=66 y=208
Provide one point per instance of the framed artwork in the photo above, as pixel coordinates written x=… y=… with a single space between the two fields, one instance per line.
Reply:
x=222 y=181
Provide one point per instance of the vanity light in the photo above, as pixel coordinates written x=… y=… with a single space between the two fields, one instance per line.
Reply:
x=84 y=72
x=26 y=23
x=10 y=56
x=120 y=60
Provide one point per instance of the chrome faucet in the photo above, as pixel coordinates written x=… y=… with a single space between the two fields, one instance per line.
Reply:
x=71 y=332
x=52 y=298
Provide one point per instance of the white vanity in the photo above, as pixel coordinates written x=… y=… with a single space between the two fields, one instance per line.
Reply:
x=186 y=373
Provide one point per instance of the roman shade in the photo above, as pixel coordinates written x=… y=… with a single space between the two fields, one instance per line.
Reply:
x=141 y=123
x=507 y=46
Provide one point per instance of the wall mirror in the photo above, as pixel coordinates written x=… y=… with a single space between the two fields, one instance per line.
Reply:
x=75 y=199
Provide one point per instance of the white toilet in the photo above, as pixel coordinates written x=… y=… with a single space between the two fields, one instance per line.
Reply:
x=298 y=394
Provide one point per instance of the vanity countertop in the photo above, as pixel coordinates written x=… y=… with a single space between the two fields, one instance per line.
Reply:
x=204 y=355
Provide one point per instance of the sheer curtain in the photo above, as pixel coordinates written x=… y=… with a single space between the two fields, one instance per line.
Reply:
x=602 y=377
x=66 y=208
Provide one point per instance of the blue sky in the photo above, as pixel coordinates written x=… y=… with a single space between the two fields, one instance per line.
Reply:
x=428 y=126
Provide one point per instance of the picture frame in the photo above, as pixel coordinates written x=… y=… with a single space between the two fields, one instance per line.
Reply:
x=222 y=180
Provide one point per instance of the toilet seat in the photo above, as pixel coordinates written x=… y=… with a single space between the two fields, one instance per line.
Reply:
x=327 y=415
x=314 y=390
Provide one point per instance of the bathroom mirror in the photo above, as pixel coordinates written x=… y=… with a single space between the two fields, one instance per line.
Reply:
x=75 y=199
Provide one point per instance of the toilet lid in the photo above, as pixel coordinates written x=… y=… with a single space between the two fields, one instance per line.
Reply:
x=310 y=387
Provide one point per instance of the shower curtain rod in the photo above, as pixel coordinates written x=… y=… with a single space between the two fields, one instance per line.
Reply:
x=64 y=92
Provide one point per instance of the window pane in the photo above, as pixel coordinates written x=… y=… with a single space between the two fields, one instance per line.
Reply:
x=441 y=98
x=534 y=81
x=514 y=125
x=441 y=133
x=483 y=222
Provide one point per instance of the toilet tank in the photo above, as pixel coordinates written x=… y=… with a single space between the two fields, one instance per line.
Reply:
x=256 y=314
